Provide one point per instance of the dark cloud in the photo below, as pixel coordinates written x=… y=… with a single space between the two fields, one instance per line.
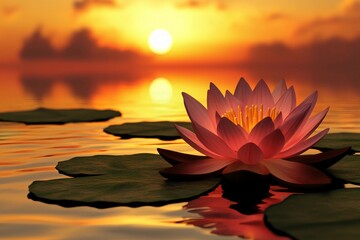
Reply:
x=10 y=11
x=276 y=16
x=352 y=7
x=82 y=5
x=334 y=55
x=341 y=24
x=192 y=4
x=220 y=4
x=329 y=52
x=37 y=46
x=81 y=46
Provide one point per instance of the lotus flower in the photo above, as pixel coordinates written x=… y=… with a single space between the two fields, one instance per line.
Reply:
x=253 y=130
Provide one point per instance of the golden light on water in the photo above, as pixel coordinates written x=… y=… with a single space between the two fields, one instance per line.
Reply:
x=160 y=90
x=160 y=41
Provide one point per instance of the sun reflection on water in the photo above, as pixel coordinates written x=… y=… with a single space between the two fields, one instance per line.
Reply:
x=161 y=90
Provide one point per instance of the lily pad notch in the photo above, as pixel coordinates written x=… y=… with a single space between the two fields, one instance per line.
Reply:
x=58 y=116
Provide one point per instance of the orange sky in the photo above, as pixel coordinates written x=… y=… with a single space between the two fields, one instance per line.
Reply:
x=202 y=30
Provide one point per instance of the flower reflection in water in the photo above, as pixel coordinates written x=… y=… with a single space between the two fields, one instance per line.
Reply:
x=222 y=215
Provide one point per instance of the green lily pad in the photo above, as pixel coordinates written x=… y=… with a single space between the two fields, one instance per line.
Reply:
x=58 y=116
x=347 y=169
x=163 y=130
x=326 y=215
x=339 y=140
x=105 y=181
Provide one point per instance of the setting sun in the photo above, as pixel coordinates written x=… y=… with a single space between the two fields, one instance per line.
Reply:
x=160 y=41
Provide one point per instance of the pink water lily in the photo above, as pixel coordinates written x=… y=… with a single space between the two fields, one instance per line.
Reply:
x=253 y=130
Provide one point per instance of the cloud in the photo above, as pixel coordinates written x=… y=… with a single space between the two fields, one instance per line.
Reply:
x=82 y=5
x=330 y=52
x=10 y=11
x=351 y=7
x=220 y=4
x=335 y=55
x=191 y=4
x=342 y=24
x=37 y=46
x=275 y=16
x=81 y=46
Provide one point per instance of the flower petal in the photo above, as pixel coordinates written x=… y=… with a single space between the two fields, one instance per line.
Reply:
x=201 y=167
x=233 y=101
x=272 y=143
x=191 y=139
x=217 y=118
x=308 y=128
x=294 y=121
x=250 y=153
x=262 y=95
x=242 y=91
x=322 y=160
x=216 y=102
x=175 y=158
x=311 y=99
x=197 y=112
x=278 y=120
x=296 y=173
x=213 y=142
x=313 y=123
x=279 y=90
x=287 y=102
x=239 y=166
x=302 y=146
x=235 y=136
x=261 y=129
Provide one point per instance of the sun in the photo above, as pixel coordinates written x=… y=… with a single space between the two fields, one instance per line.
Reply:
x=160 y=41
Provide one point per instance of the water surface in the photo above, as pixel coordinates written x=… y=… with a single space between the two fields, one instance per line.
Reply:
x=30 y=153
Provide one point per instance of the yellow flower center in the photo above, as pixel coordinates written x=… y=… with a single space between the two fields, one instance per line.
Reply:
x=251 y=115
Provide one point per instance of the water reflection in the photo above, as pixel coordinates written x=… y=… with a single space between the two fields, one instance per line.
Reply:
x=128 y=90
x=129 y=93
x=39 y=87
x=82 y=86
x=222 y=215
x=160 y=90
x=134 y=92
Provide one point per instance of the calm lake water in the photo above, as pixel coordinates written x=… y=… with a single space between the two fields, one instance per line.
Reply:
x=29 y=153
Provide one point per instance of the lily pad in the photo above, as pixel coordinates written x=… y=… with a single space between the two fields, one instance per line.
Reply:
x=163 y=130
x=326 y=215
x=58 y=116
x=347 y=169
x=105 y=181
x=339 y=140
